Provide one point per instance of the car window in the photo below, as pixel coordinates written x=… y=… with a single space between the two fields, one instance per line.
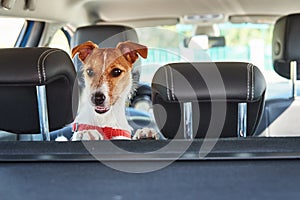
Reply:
x=244 y=42
x=60 y=41
x=251 y=43
x=10 y=28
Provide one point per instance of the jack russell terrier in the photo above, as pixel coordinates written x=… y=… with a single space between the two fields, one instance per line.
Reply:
x=108 y=82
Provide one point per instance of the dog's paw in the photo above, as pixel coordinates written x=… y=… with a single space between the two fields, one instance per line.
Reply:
x=87 y=135
x=146 y=133
x=61 y=139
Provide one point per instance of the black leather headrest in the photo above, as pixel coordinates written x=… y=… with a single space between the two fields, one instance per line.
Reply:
x=243 y=82
x=221 y=85
x=22 y=69
x=107 y=36
x=286 y=42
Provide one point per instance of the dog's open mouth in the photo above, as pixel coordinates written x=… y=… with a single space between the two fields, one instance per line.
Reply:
x=101 y=109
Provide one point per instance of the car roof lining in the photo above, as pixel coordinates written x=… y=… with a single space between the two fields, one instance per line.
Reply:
x=83 y=12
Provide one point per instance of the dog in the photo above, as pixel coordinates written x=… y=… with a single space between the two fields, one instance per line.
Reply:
x=108 y=82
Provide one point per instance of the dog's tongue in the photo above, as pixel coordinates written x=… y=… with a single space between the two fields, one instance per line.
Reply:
x=101 y=110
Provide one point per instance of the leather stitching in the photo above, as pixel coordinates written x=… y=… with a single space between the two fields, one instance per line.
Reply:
x=40 y=71
x=43 y=63
x=248 y=82
x=172 y=84
x=38 y=65
x=167 y=84
x=252 y=70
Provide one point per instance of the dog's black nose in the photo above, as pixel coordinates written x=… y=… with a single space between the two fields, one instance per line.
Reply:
x=98 y=98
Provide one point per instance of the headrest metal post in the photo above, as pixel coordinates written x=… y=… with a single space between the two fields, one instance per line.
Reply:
x=293 y=77
x=43 y=112
x=188 y=120
x=242 y=120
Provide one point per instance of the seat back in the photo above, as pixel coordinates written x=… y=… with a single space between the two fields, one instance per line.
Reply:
x=213 y=99
x=107 y=36
x=26 y=75
x=285 y=44
x=279 y=114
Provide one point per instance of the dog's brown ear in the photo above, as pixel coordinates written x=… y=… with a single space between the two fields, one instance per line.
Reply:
x=84 y=50
x=131 y=50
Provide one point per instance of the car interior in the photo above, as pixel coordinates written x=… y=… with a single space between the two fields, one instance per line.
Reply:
x=219 y=86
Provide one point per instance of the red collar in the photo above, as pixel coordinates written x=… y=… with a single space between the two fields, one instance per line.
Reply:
x=108 y=133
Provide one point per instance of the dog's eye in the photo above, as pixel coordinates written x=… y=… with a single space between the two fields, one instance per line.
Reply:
x=90 y=72
x=116 y=72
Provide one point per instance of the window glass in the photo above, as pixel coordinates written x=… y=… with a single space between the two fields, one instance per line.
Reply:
x=243 y=42
x=10 y=29
x=252 y=43
x=60 y=41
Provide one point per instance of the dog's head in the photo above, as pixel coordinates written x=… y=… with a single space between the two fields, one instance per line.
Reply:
x=107 y=71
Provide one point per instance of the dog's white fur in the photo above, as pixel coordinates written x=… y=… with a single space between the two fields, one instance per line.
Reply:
x=115 y=117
